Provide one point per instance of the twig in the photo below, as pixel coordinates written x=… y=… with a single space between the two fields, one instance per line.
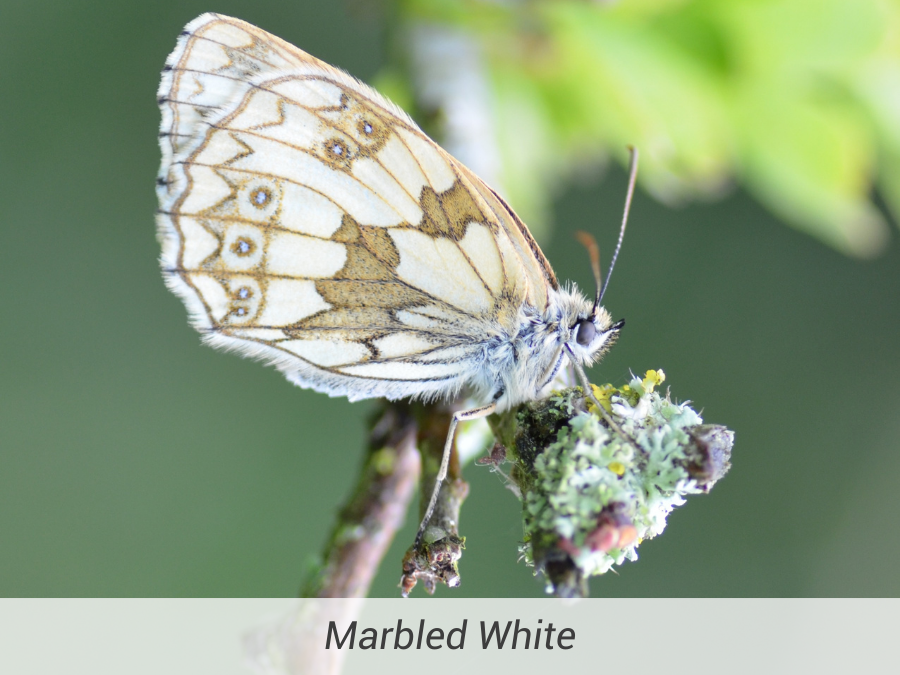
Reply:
x=367 y=523
x=435 y=559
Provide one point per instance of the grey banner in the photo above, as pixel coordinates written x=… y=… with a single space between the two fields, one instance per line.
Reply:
x=443 y=636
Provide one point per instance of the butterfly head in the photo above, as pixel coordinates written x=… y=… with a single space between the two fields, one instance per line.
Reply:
x=591 y=332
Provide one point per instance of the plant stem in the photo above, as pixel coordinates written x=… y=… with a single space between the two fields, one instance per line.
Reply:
x=370 y=518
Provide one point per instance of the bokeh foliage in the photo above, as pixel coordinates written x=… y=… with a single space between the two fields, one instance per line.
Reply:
x=797 y=101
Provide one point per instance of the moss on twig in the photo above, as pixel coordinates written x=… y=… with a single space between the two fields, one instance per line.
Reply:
x=591 y=495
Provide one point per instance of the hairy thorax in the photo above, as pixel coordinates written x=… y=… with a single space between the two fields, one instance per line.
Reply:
x=521 y=365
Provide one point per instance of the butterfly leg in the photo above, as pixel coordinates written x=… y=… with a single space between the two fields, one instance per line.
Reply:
x=461 y=416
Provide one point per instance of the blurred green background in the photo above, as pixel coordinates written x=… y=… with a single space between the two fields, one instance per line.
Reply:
x=134 y=462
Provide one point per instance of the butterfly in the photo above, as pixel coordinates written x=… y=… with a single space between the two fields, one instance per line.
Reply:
x=308 y=222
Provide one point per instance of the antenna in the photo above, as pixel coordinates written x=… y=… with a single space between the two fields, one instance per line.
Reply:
x=632 y=179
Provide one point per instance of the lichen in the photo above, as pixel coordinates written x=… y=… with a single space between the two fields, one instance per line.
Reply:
x=591 y=495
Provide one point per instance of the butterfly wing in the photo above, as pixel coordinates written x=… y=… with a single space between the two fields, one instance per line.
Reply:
x=307 y=221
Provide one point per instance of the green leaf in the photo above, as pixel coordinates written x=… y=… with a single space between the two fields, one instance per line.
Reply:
x=811 y=162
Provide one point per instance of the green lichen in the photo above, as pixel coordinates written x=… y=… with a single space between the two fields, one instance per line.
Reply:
x=591 y=494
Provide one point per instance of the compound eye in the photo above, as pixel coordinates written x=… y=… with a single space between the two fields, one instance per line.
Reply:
x=586 y=332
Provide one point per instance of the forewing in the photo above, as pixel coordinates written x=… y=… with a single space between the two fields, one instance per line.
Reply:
x=307 y=221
